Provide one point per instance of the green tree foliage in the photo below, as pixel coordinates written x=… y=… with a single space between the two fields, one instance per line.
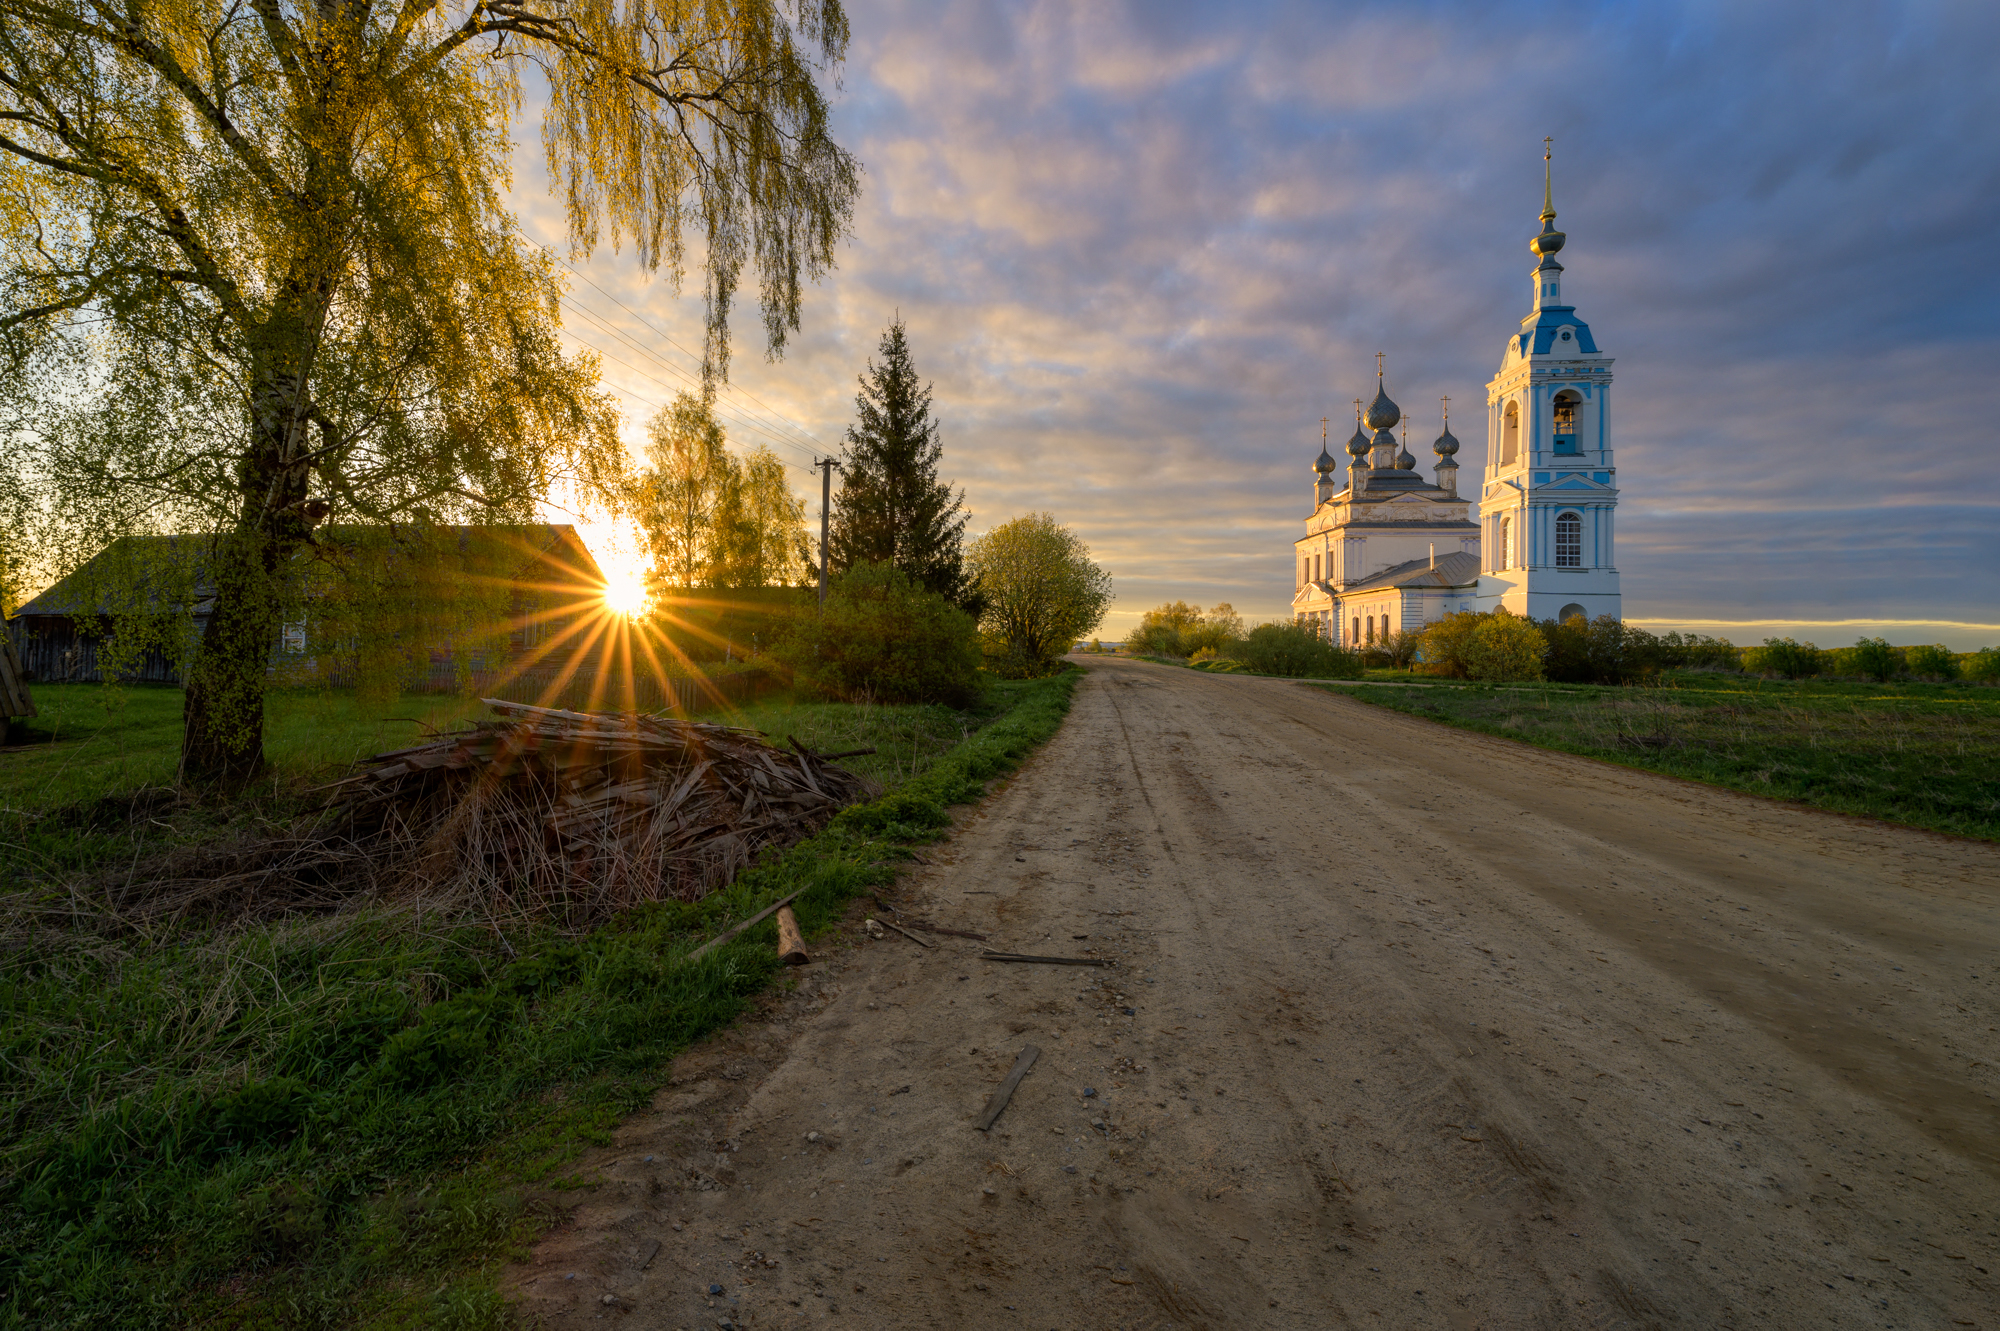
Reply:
x=258 y=273
x=883 y=637
x=1782 y=656
x=1605 y=650
x=1179 y=629
x=1296 y=651
x=891 y=507
x=1871 y=658
x=1932 y=661
x=1983 y=666
x=1039 y=592
x=1505 y=647
x=713 y=519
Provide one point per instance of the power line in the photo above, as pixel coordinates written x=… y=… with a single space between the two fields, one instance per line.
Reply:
x=618 y=360
x=668 y=339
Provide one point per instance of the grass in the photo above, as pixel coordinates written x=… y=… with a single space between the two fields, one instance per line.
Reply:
x=1926 y=755
x=336 y=1121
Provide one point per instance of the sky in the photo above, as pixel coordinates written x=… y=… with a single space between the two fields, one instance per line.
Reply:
x=1143 y=248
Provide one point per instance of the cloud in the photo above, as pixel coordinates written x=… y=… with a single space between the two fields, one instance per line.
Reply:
x=1142 y=249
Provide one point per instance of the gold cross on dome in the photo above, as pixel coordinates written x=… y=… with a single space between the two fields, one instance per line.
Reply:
x=1378 y=365
x=1548 y=147
x=1447 y=409
x=1322 y=431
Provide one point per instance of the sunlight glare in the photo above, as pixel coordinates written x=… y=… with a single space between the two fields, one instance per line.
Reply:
x=625 y=590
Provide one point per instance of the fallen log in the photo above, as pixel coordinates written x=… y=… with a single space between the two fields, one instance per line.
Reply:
x=791 y=943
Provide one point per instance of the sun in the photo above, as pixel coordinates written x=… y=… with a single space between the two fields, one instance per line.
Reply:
x=625 y=590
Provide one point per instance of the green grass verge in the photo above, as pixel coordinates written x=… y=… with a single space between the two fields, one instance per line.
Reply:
x=331 y=1121
x=1927 y=755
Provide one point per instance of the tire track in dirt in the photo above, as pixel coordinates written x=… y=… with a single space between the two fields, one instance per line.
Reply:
x=1411 y=1027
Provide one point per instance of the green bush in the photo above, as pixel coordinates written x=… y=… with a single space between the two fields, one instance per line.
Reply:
x=1504 y=647
x=1685 y=651
x=1984 y=666
x=1296 y=651
x=1782 y=656
x=1446 y=645
x=1931 y=661
x=883 y=638
x=1605 y=650
x=1871 y=658
x=1180 y=629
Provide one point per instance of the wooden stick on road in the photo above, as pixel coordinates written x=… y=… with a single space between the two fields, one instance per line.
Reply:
x=1005 y=1091
x=758 y=918
x=914 y=938
x=1047 y=961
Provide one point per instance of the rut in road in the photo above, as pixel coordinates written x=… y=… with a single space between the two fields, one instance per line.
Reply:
x=1411 y=1027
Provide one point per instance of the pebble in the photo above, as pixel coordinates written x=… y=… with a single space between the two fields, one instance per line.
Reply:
x=989 y=1191
x=1069 y=1169
x=609 y=1300
x=1090 y=1092
x=714 y=1289
x=812 y=1136
x=1129 y=1012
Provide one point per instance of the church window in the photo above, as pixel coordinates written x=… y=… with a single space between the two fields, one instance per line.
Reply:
x=1505 y=558
x=1569 y=540
x=1354 y=630
x=1317 y=567
x=1510 y=434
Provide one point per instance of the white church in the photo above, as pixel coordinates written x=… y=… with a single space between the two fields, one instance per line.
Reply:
x=1390 y=551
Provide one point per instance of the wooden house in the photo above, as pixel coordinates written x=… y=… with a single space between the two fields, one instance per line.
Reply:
x=459 y=607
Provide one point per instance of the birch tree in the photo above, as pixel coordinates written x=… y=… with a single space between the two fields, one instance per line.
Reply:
x=259 y=275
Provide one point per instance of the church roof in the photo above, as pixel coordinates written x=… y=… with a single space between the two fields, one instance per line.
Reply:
x=1538 y=337
x=1453 y=570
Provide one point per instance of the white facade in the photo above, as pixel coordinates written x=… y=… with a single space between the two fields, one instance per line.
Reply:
x=1390 y=552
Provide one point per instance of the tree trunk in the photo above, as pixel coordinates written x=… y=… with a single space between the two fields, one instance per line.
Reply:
x=222 y=726
x=222 y=731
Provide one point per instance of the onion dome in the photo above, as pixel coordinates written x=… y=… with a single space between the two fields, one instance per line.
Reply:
x=1404 y=462
x=1324 y=463
x=1382 y=413
x=1357 y=447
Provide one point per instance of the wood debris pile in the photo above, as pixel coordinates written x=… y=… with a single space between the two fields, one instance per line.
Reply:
x=567 y=817
x=591 y=813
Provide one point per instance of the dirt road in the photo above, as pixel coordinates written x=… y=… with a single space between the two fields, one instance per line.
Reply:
x=1409 y=1028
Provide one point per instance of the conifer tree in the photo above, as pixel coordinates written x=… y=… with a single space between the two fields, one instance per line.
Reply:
x=892 y=508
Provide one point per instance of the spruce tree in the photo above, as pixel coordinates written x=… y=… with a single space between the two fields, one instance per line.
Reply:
x=892 y=508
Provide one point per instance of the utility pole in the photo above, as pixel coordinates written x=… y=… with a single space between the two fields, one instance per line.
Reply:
x=826 y=466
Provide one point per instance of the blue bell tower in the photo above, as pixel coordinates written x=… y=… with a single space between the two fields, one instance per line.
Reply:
x=1550 y=493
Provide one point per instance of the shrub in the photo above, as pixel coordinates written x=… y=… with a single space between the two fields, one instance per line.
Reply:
x=1782 y=656
x=1931 y=661
x=1692 y=651
x=1296 y=651
x=1873 y=658
x=1039 y=589
x=1605 y=650
x=1180 y=629
x=1400 y=648
x=1446 y=644
x=1984 y=666
x=883 y=637
x=1504 y=647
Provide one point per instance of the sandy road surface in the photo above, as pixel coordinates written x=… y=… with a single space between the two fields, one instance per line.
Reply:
x=1425 y=1030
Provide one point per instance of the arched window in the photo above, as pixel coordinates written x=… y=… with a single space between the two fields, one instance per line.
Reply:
x=1510 y=434
x=1569 y=540
x=1566 y=405
x=1504 y=557
x=1371 y=629
x=1354 y=631
x=1571 y=611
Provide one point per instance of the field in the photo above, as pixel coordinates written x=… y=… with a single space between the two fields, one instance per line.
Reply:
x=329 y=1120
x=1927 y=755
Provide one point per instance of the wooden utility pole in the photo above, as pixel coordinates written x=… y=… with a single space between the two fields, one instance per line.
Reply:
x=826 y=466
